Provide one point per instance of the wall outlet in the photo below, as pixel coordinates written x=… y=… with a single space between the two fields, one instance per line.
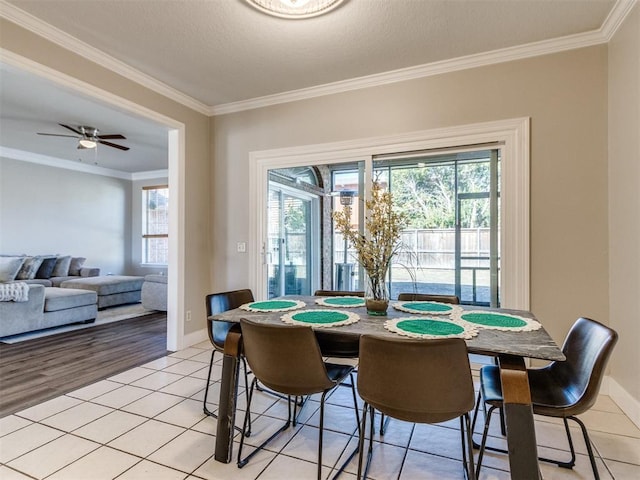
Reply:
x=242 y=247
x=188 y=317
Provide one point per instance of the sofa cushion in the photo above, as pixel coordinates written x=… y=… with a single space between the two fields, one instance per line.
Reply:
x=29 y=268
x=75 y=265
x=9 y=268
x=63 y=298
x=156 y=278
x=46 y=267
x=62 y=266
x=108 y=285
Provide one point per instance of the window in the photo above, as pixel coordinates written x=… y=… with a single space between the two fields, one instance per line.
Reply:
x=155 y=225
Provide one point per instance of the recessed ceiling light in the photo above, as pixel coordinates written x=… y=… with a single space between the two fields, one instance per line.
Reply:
x=294 y=8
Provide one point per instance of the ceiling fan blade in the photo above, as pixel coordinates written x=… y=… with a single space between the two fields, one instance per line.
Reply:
x=109 y=144
x=71 y=128
x=115 y=136
x=57 y=135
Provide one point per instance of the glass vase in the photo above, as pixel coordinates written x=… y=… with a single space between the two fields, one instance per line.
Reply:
x=376 y=296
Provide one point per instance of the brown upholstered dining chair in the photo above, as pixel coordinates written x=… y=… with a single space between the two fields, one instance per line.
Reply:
x=560 y=389
x=428 y=297
x=419 y=381
x=218 y=331
x=342 y=346
x=287 y=359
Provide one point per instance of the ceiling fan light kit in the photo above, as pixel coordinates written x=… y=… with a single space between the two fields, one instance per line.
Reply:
x=295 y=9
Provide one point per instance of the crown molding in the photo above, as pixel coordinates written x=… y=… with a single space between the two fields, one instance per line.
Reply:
x=24 y=156
x=570 y=42
x=509 y=54
x=616 y=16
x=595 y=37
x=57 y=36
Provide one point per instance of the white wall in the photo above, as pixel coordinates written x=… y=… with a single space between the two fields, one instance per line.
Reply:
x=624 y=211
x=48 y=210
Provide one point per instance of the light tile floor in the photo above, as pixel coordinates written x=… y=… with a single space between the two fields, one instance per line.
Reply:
x=147 y=423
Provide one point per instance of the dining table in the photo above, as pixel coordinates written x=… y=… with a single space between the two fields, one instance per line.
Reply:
x=510 y=344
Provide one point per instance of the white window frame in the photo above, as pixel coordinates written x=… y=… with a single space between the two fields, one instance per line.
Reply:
x=511 y=136
x=145 y=235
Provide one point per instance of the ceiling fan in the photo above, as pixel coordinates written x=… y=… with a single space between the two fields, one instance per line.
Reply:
x=88 y=137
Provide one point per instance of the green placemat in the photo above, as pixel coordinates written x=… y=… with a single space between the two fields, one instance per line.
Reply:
x=343 y=301
x=498 y=321
x=429 y=308
x=273 y=306
x=320 y=318
x=429 y=328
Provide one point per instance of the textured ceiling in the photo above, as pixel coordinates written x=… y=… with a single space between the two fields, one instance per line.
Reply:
x=223 y=51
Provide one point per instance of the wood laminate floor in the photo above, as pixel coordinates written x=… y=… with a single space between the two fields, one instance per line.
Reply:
x=36 y=370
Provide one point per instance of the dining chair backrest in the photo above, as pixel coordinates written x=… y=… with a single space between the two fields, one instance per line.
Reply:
x=423 y=381
x=285 y=358
x=338 y=293
x=221 y=302
x=428 y=297
x=587 y=348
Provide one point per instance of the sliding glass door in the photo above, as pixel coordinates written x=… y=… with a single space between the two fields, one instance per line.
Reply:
x=450 y=245
x=292 y=232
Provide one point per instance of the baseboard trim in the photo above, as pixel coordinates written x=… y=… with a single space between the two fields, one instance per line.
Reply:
x=627 y=403
x=196 y=337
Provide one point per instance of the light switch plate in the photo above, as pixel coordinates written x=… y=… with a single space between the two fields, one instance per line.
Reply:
x=242 y=247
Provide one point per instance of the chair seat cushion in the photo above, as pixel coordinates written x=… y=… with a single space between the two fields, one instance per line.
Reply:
x=548 y=397
x=338 y=372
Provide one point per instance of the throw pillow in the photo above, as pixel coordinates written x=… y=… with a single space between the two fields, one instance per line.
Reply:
x=9 y=268
x=76 y=265
x=46 y=267
x=62 y=267
x=29 y=268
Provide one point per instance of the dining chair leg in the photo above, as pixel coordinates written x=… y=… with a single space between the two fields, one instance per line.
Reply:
x=487 y=422
x=587 y=441
x=206 y=390
x=355 y=401
x=469 y=467
x=361 y=474
x=475 y=417
x=321 y=433
x=243 y=461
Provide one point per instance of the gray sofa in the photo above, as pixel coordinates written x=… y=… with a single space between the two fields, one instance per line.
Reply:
x=47 y=307
x=154 y=292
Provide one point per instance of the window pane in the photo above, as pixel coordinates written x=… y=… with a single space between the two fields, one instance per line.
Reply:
x=155 y=228
x=157 y=211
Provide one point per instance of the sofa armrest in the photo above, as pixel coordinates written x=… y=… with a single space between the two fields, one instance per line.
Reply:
x=89 y=272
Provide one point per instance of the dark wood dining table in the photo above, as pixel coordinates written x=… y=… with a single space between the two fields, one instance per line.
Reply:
x=511 y=348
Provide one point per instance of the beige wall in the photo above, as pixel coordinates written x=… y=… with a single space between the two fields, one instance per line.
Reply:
x=196 y=212
x=624 y=202
x=565 y=95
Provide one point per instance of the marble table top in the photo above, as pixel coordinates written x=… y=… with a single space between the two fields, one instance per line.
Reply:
x=533 y=344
